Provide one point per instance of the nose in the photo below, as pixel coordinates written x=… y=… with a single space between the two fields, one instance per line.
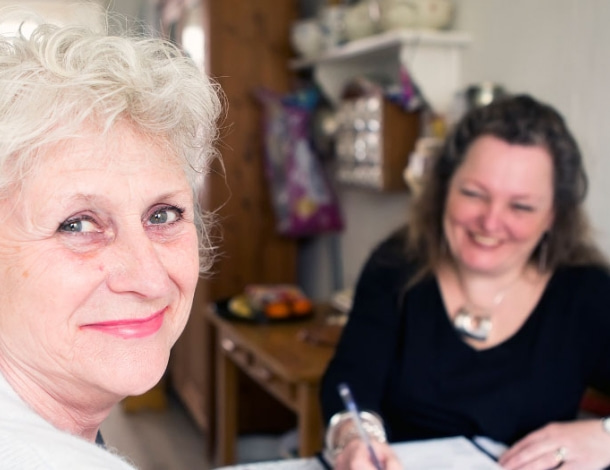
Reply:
x=136 y=266
x=491 y=218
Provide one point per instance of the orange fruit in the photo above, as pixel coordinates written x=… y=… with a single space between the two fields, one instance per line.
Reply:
x=277 y=310
x=301 y=306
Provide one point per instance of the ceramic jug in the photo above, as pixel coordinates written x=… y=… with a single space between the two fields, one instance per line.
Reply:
x=434 y=14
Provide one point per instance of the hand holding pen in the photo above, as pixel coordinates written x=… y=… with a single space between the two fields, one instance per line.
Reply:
x=350 y=405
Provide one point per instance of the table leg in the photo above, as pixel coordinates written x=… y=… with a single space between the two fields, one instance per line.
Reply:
x=310 y=420
x=226 y=406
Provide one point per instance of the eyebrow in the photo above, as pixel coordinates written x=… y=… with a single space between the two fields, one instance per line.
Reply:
x=98 y=200
x=518 y=197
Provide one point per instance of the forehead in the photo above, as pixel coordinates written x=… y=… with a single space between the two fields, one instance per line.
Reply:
x=92 y=162
x=491 y=155
x=122 y=145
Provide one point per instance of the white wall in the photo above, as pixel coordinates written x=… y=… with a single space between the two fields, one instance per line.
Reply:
x=62 y=11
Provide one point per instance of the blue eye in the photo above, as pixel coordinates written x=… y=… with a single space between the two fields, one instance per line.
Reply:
x=166 y=215
x=82 y=225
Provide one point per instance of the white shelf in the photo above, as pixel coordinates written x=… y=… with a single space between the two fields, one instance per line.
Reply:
x=432 y=58
x=386 y=40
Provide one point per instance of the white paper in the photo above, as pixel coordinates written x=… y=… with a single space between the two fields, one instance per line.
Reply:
x=290 y=464
x=444 y=454
x=453 y=453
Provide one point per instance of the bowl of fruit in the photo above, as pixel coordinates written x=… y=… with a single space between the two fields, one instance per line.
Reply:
x=267 y=303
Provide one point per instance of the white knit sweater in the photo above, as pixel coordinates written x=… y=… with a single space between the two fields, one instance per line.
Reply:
x=29 y=442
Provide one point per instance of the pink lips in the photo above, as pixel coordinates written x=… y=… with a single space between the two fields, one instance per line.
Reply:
x=130 y=329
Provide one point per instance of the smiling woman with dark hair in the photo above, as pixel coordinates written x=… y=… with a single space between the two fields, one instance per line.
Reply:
x=490 y=314
x=104 y=143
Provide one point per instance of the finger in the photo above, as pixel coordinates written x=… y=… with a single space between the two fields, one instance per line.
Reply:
x=541 y=456
x=389 y=460
x=534 y=443
x=350 y=457
x=360 y=465
x=531 y=439
x=357 y=456
x=544 y=462
x=548 y=460
x=393 y=464
x=386 y=456
x=518 y=454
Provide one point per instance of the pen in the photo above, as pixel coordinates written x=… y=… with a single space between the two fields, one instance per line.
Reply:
x=350 y=405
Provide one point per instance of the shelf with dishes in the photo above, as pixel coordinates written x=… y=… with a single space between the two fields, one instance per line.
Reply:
x=373 y=147
x=432 y=58
x=389 y=71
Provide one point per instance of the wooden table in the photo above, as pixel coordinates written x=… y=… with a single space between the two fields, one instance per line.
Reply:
x=283 y=364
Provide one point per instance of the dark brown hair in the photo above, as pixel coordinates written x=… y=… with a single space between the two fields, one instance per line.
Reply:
x=520 y=120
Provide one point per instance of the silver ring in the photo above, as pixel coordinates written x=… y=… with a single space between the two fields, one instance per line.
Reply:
x=560 y=455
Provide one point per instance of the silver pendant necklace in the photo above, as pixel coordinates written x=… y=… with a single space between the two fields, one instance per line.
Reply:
x=477 y=326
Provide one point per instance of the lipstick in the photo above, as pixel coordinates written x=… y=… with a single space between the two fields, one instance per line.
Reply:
x=130 y=329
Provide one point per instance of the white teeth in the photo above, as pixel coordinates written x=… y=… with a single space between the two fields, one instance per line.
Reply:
x=486 y=241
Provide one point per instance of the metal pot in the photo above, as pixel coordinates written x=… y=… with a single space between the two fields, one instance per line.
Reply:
x=481 y=94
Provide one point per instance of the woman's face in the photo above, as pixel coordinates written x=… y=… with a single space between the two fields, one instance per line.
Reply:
x=499 y=204
x=98 y=267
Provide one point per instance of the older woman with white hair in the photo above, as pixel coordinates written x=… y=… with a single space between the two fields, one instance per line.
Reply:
x=104 y=142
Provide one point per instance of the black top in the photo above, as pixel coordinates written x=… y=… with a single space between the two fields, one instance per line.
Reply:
x=99 y=440
x=402 y=357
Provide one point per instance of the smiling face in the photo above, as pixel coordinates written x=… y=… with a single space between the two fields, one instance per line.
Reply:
x=98 y=267
x=499 y=204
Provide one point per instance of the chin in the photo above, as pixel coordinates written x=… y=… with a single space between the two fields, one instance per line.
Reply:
x=146 y=383
x=481 y=261
x=137 y=376
x=136 y=389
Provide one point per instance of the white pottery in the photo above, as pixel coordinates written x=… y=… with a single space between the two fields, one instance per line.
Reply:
x=398 y=14
x=332 y=20
x=359 y=21
x=434 y=14
x=306 y=37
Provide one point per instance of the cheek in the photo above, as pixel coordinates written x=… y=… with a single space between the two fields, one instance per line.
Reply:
x=527 y=230
x=40 y=311
x=39 y=275
x=183 y=269
x=458 y=212
x=182 y=263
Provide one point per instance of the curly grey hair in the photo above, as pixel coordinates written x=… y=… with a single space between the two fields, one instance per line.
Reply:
x=59 y=79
